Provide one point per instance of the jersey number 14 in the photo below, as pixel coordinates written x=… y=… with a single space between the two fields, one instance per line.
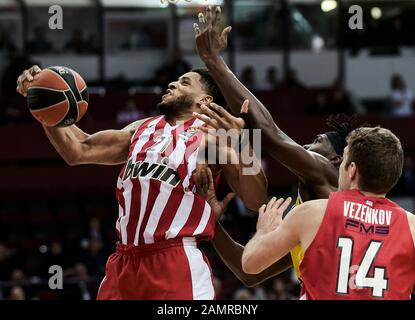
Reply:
x=378 y=283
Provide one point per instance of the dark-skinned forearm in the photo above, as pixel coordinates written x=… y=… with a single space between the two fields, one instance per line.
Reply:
x=231 y=254
x=254 y=187
x=309 y=166
x=235 y=93
x=251 y=187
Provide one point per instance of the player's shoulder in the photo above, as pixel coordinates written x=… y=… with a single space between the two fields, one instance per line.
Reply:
x=311 y=207
x=315 y=204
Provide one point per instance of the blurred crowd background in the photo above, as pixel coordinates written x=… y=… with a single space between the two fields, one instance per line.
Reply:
x=299 y=57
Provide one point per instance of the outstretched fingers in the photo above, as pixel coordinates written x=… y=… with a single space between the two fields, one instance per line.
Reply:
x=209 y=121
x=282 y=204
x=216 y=18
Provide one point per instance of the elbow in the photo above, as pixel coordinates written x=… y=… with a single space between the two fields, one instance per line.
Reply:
x=71 y=160
x=71 y=163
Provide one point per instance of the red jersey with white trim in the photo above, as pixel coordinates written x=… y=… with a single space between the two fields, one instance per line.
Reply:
x=155 y=189
x=363 y=250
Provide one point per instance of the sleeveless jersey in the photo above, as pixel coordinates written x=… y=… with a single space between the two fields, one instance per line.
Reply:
x=155 y=189
x=363 y=250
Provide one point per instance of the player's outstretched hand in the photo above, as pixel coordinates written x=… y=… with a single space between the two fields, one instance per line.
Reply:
x=209 y=40
x=270 y=215
x=26 y=77
x=205 y=187
x=221 y=119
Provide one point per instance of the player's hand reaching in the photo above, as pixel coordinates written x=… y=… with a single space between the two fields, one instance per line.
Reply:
x=222 y=119
x=206 y=188
x=270 y=215
x=220 y=126
x=209 y=40
x=25 y=78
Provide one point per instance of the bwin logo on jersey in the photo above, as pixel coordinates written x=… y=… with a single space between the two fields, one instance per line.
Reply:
x=151 y=170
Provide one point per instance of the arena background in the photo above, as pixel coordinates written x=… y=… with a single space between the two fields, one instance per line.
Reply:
x=299 y=56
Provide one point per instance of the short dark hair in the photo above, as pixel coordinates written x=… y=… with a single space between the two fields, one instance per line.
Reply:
x=379 y=157
x=211 y=86
x=342 y=125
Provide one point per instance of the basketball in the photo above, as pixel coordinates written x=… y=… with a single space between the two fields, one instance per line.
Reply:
x=57 y=97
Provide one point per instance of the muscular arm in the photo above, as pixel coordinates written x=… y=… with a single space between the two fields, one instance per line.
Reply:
x=251 y=188
x=231 y=254
x=265 y=249
x=309 y=166
x=109 y=147
x=299 y=226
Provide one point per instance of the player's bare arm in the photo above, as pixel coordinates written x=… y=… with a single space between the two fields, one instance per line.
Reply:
x=229 y=250
x=251 y=188
x=109 y=147
x=308 y=166
x=270 y=244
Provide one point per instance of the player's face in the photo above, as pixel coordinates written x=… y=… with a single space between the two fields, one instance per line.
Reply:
x=321 y=145
x=188 y=87
x=344 y=176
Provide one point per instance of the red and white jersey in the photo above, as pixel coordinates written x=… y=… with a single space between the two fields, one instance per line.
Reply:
x=155 y=189
x=363 y=250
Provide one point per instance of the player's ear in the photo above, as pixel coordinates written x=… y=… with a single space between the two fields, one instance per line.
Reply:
x=352 y=169
x=206 y=100
x=336 y=160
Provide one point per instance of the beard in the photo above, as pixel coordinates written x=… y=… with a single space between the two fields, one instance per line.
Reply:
x=174 y=108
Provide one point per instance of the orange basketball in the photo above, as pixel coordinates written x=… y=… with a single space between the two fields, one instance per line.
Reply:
x=57 y=97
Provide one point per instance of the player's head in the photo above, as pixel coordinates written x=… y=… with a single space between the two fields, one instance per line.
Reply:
x=189 y=92
x=332 y=143
x=372 y=161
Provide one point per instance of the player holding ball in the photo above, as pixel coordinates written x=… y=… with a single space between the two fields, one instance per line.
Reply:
x=161 y=216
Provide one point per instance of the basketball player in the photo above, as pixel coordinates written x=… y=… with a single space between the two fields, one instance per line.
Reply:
x=316 y=165
x=358 y=244
x=161 y=217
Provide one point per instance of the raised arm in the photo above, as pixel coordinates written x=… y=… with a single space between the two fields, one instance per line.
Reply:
x=237 y=161
x=107 y=147
x=210 y=43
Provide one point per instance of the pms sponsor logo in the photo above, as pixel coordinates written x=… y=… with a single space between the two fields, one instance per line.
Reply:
x=366 y=229
x=157 y=171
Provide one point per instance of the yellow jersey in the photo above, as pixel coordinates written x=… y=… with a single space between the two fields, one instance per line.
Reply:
x=297 y=254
